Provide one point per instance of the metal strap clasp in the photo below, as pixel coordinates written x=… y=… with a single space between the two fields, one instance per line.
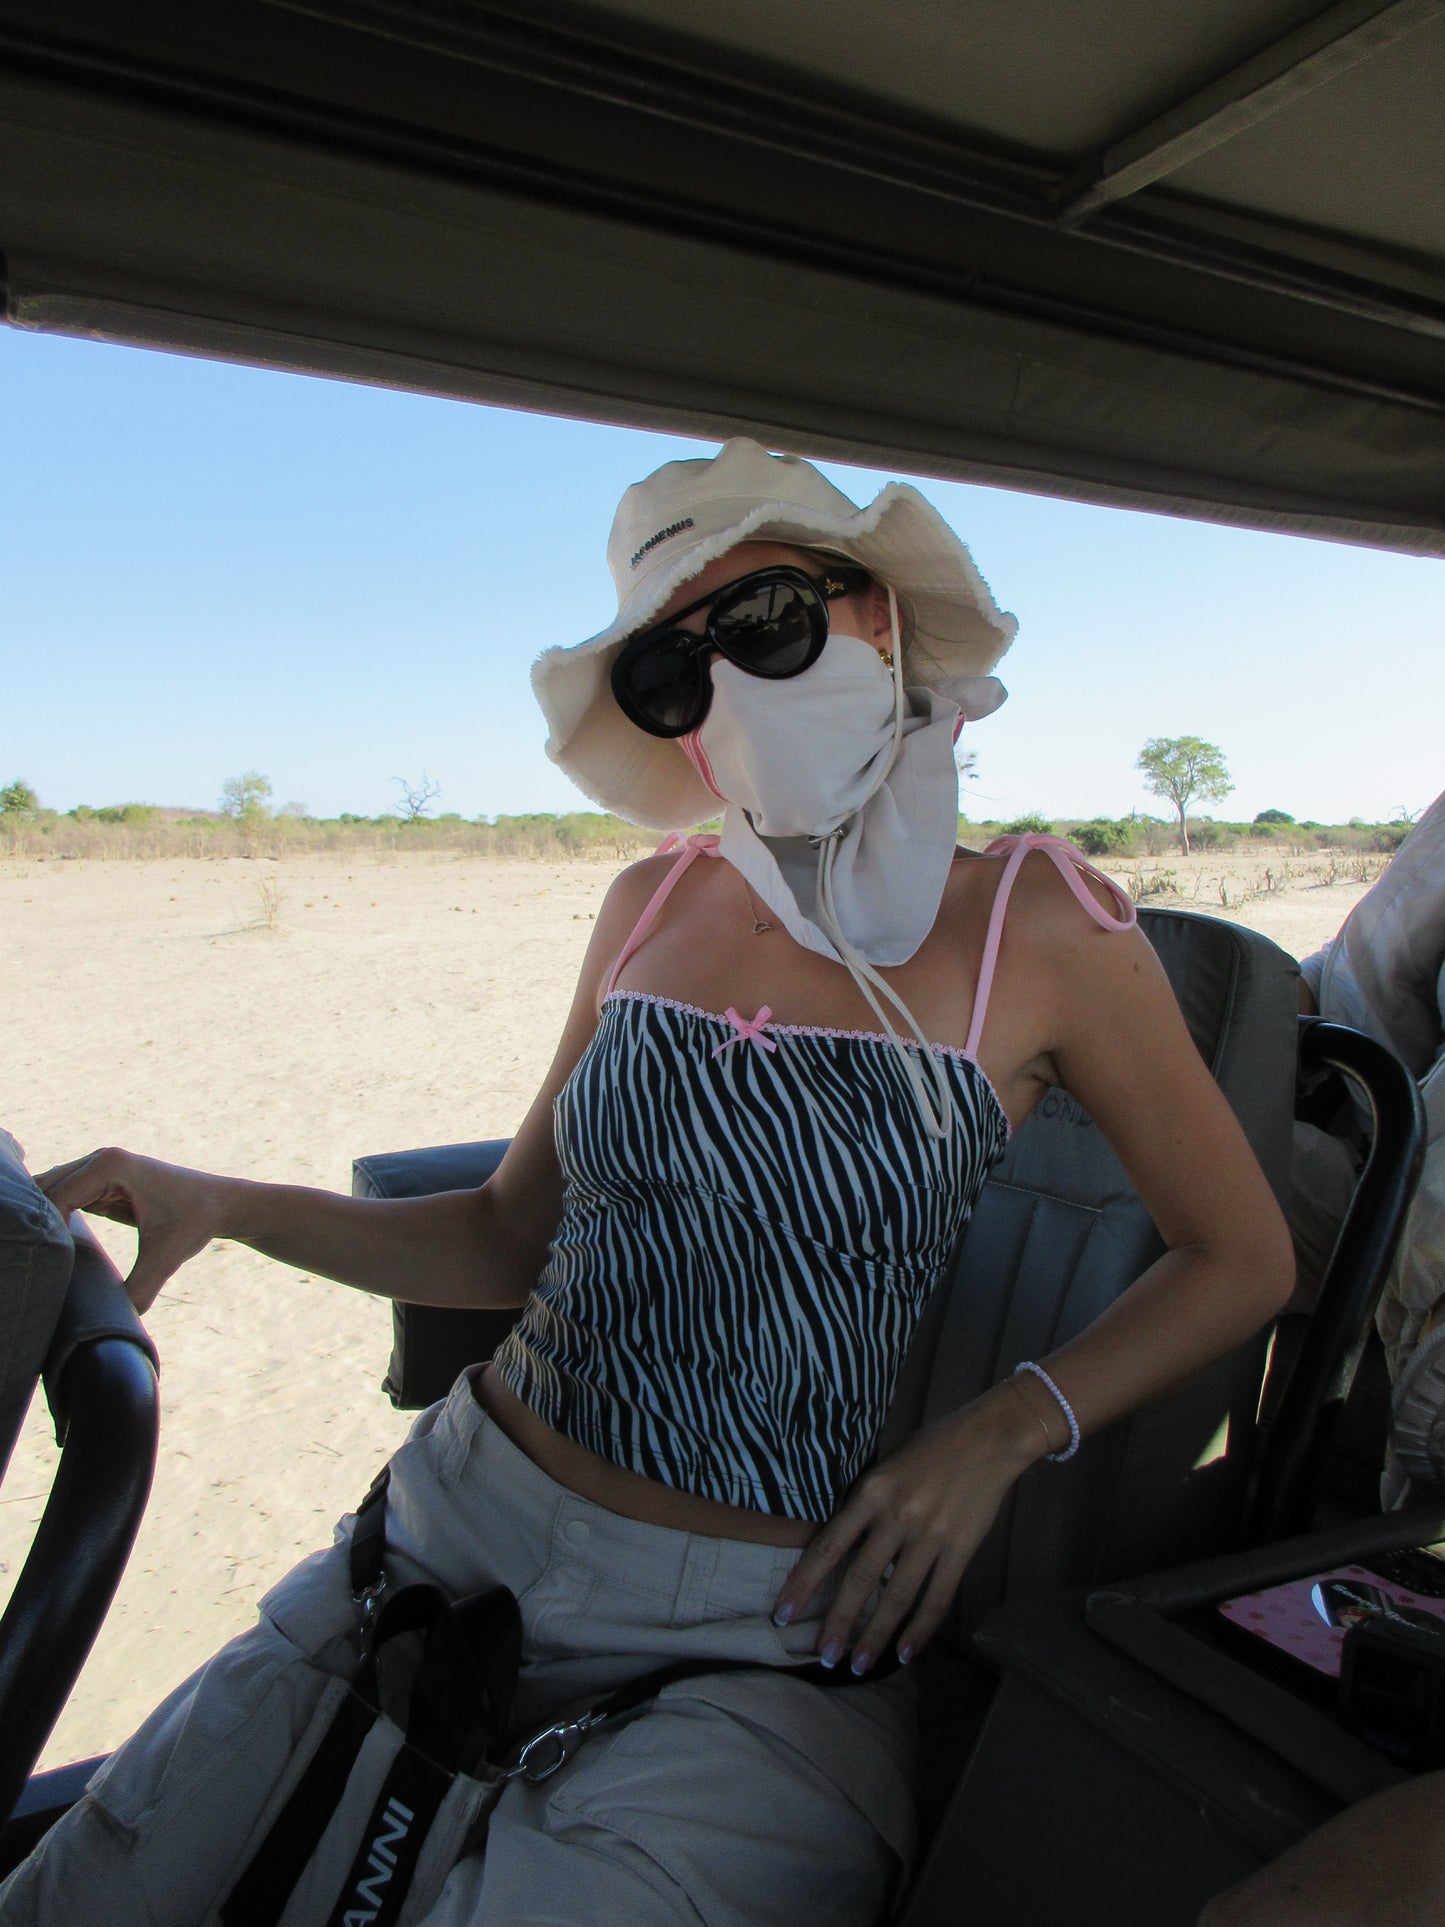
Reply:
x=368 y=1606
x=549 y=1751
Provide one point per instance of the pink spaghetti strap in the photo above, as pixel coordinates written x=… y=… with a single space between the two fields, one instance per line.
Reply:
x=704 y=843
x=1069 y=863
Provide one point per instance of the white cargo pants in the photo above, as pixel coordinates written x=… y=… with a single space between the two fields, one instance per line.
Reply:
x=743 y=1798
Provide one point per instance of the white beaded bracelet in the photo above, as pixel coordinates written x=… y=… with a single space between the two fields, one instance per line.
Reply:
x=1054 y=1458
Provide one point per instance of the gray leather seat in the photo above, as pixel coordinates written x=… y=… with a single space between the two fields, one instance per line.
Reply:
x=1058 y=1234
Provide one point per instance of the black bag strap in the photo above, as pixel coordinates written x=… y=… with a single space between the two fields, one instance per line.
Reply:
x=367 y=1554
x=379 y=1879
x=461 y=1696
x=452 y=1679
x=259 y=1897
x=543 y=1753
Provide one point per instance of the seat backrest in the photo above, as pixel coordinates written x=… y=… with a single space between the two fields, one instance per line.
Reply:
x=36 y=1256
x=1057 y=1235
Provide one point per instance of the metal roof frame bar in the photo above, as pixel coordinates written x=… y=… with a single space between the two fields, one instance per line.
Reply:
x=1276 y=77
x=668 y=87
x=816 y=132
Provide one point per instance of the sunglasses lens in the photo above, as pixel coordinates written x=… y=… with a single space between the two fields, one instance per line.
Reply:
x=663 y=684
x=773 y=623
x=769 y=628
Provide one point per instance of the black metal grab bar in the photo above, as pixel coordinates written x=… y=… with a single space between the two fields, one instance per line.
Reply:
x=1282 y=1499
x=101 y=1382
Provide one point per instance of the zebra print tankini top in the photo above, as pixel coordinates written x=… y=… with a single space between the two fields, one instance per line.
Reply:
x=753 y=1223
x=747 y=1242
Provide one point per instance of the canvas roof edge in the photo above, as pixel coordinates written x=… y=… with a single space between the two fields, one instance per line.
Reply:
x=1223 y=501
x=333 y=247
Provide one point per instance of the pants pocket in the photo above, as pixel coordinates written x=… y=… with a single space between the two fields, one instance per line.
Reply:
x=160 y=1833
x=750 y=1829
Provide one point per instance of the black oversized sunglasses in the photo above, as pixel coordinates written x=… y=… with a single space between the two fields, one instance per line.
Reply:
x=771 y=623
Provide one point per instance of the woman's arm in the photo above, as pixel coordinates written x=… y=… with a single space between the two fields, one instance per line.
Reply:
x=1115 y=1039
x=461 y=1248
x=1125 y=1053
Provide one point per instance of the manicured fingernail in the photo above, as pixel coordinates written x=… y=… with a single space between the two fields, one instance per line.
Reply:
x=905 y=1654
x=861 y=1662
x=832 y=1652
x=783 y=1614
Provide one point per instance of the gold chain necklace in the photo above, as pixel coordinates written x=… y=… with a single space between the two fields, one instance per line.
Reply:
x=761 y=926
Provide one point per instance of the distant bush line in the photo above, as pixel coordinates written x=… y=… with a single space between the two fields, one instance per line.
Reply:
x=1151 y=836
x=141 y=830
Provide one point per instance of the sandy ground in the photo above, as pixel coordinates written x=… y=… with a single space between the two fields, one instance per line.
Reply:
x=385 y=1004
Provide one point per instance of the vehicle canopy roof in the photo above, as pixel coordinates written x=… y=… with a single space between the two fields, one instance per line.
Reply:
x=1188 y=258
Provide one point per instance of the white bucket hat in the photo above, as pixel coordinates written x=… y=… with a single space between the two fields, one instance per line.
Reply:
x=666 y=531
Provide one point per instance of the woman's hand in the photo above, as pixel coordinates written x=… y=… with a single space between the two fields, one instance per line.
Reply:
x=911 y=1526
x=176 y=1212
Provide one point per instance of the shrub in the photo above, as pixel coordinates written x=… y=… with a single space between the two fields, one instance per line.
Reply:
x=1103 y=836
x=18 y=801
x=1206 y=834
x=132 y=813
x=1030 y=825
x=1274 y=816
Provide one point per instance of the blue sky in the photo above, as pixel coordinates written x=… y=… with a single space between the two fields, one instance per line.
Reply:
x=210 y=569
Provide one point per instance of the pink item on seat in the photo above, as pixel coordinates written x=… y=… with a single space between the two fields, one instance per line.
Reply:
x=1068 y=862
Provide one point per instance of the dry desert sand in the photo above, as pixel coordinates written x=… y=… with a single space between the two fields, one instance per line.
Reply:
x=395 y=1002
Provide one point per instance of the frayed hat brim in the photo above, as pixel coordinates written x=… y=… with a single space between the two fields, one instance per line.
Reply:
x=954 y=633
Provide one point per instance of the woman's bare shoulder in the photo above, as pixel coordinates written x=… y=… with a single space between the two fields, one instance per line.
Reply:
x=637 y=883
x=647 y=872
x=633 y=888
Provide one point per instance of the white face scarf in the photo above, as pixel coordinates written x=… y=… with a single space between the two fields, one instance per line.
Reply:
x=842 y=813
x=796 y=759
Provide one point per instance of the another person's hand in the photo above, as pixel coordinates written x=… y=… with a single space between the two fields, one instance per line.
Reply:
x=911 y=1525
x=176 y=1212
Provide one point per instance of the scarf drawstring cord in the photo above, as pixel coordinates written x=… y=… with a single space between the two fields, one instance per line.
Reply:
x=936 y=1104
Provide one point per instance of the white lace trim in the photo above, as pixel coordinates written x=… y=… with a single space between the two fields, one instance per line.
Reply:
x=790 y=1030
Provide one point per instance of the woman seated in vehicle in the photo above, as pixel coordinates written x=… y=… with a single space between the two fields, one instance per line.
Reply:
x=793 y=1056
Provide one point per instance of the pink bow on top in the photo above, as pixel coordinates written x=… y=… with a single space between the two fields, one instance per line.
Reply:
x=747 y=1031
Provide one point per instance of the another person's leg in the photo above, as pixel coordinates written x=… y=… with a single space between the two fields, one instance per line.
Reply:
x=1380 y=1864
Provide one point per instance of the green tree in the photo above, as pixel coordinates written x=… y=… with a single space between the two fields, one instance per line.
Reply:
x=1182 y=768
x=247 y=797
x=17 y=799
